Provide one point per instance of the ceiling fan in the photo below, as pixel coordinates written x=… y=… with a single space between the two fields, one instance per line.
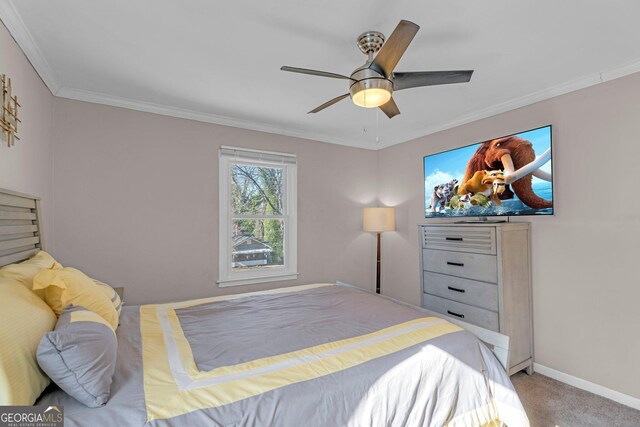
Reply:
x=371 y=85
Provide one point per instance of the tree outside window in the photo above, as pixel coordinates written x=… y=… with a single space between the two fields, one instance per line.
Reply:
x=258 y=216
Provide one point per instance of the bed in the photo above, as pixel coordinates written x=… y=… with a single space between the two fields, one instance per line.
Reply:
x=312 y=355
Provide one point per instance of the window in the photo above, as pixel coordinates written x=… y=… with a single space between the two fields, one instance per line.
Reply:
x=257 y=216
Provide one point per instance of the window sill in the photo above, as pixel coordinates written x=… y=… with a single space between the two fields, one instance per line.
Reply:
x=254 y=280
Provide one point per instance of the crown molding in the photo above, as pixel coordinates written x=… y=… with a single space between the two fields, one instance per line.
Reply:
x=532 y=98
x=513 y=104
x=183 y=113
x=620 y=71
x=16 y=26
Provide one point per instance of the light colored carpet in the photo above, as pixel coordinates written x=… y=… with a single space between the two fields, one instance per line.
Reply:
x=550 y=403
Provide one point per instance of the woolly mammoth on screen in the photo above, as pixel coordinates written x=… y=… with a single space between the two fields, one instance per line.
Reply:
x=511 y=175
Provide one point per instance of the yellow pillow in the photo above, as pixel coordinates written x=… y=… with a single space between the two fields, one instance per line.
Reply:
x=27 y=270
x=70 y=286
x=43 y=260
x=25 y=319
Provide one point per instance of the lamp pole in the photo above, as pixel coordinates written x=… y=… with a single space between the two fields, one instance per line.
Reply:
x=379 y=262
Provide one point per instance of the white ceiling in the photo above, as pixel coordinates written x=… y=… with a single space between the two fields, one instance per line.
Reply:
x=219 y=61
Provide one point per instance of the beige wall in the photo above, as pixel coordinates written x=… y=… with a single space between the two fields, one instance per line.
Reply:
x=137 y=202
x=586 y=284
x=27 y=167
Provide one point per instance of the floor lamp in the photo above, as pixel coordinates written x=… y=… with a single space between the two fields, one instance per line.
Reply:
x=379 y=220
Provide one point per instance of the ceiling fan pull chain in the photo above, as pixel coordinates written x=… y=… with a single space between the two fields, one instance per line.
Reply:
x=364 y=120
x=377 y=127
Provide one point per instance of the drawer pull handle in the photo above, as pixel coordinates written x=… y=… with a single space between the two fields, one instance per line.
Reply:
x=457 y=264
x=456 y=239
x=455 y=314
x=462 y=291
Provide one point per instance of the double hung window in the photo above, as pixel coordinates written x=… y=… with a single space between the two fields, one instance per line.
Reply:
x=257 y=216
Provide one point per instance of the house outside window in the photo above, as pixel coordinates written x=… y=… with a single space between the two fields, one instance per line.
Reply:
x=258 y=223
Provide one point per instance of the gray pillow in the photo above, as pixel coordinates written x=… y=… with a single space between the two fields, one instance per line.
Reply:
x=80 y=355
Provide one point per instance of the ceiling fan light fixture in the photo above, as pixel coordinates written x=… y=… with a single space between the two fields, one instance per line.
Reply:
x=371 y=98
x=371 y=93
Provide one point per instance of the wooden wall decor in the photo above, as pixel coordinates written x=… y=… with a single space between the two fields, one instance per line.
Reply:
x=9 y=119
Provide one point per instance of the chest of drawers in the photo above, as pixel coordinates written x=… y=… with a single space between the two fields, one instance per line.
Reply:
x=481 y=274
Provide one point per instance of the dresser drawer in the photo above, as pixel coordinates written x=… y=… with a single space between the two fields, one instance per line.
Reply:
x=461 y=264
x=477 y=316
x=480 y=240
x=480 y=294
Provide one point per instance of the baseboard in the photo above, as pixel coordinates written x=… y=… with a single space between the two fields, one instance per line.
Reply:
x=616 y=396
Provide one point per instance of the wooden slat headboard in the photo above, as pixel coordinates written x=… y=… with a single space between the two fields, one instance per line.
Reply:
x=20 y=227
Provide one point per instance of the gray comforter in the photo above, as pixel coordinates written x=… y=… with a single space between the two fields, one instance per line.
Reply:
x=310 y=356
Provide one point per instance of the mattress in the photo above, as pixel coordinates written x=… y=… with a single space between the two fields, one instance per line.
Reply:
x=314 y=355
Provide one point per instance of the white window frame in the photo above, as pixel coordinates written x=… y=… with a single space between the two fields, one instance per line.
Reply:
x=227 y=157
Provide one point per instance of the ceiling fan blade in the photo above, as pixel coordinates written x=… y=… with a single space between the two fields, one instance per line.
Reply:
x=314 y=72
x=390 y=108
x=393 y=49
x=329 y=103
x=429 y=78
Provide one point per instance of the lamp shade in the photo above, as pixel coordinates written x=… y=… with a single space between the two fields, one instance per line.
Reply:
x=379 y=219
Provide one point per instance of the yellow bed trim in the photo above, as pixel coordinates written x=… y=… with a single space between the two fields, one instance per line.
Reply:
x=165 y=398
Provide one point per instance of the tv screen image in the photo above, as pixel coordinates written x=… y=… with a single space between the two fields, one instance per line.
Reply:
x=506 y=176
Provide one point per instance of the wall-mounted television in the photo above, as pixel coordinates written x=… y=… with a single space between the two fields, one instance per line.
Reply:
x=506 y=176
